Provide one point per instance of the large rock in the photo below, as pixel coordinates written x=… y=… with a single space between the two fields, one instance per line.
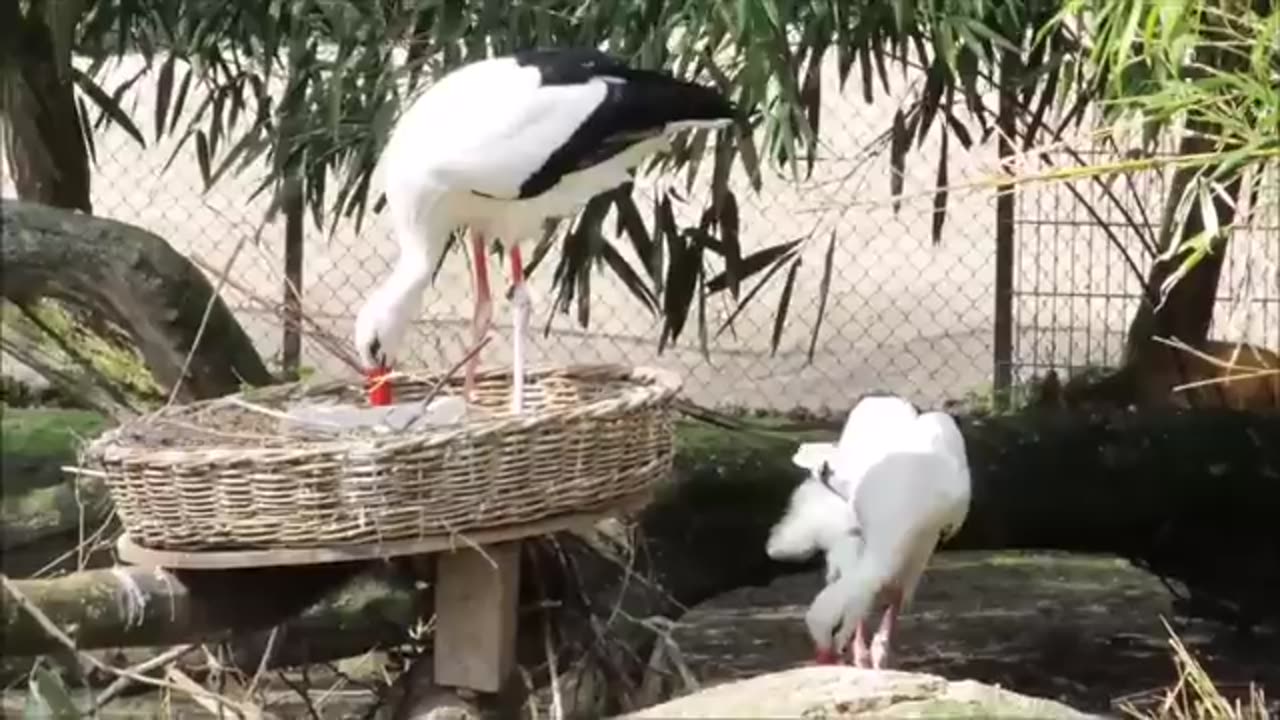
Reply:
x=833 y=692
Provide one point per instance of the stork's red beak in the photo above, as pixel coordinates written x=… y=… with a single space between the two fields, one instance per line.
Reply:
x=379 y=386
x=825 y=657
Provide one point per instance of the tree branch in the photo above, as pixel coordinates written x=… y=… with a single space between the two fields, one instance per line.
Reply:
x=130 y=278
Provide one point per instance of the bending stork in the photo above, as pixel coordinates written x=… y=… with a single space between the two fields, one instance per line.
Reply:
x=500 y=145
x=916 y=495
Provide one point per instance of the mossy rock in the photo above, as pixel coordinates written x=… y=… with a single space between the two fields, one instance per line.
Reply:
x=40 y=501
x=839 y=693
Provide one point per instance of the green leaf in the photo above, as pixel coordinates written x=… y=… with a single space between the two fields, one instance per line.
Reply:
x=754 y=263
x=1196 y=248
x=106 y=105
x=931 y=99
x=202 y=157
x=728 y=223
x=86 y=130
x=630 y=224
x=629 y=277
x=824 y=292
x=899 y=141
x=180 y=102
x=746 y=145
x=682 y=281
x=704 y=343
x=940 y=197
x=784 y=304
x=164 y=94
x=664 y=229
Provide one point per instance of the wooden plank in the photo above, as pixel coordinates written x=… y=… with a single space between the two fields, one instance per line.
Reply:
x=136 y=554
x=475 y=631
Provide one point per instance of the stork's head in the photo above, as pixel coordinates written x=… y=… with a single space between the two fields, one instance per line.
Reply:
x=824 y=621
x=380 y=328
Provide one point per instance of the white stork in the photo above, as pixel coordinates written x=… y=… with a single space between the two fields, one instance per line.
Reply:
x=909 y=488
x=818 y=517
x=500 y=145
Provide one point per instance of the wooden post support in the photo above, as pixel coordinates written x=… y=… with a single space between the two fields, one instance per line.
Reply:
x=475 y=634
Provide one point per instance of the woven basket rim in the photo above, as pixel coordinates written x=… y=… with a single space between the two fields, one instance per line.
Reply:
x=652 y=385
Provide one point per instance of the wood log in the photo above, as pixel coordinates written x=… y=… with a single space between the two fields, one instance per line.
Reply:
x=127 y=278
x=1190 y=495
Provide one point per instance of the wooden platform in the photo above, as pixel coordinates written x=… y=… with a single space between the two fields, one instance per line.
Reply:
x=477 y=583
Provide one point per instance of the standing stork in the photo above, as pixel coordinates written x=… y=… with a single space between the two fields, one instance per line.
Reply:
x=500 y=145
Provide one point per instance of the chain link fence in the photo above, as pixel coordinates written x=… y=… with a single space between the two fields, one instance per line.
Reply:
x=1084 y=247
x=903 y=314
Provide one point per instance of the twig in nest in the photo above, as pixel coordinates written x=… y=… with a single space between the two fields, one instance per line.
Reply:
x=262 y=662
x=208 y=311
x=557 y=701
x=120 y=684
x=327 y=340
x=440 y=383
x=302 y=693
x=211 y=701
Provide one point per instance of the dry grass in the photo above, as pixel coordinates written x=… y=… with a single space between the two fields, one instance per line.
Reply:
x=1194 y=696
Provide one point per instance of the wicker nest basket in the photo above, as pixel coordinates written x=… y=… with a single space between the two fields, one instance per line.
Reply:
x=225 y=474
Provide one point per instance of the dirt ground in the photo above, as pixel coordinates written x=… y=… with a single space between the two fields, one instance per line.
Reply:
x=1082 y=630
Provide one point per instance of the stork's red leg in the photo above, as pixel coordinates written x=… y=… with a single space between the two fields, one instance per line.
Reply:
x=859 y=651
x=883 y=640
x=483 y=316
x=520 y=324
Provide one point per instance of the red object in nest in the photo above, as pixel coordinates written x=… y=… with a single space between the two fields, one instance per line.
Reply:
x=825 y=657
x=379 y=386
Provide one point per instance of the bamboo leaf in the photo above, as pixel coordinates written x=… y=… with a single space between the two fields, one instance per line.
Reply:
x=811 y=101
x=109 y=107
x=704 y=343
x=750 y=157
x=630 y=278
x=959 y=130
x=584 y=285
x=180 y=102
x=755 y=289
x=931 y=99
x=86 y=130
x=754 y=263
x=250 y=140
x=899 y=141
x=784 y=304
x=202 y=157
x=682 y=280
x=824 y=292
x=1196 y=248
x=864 y=52
x=940 y=196
x=630 y=224
x=665 y=228
x=1047 y=94
x=164 y=94
x=729 y=238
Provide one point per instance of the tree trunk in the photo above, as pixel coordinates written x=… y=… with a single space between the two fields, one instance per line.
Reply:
x=125 y=277
x=1193 y=496
x=1187 y=313
x=46 y=149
